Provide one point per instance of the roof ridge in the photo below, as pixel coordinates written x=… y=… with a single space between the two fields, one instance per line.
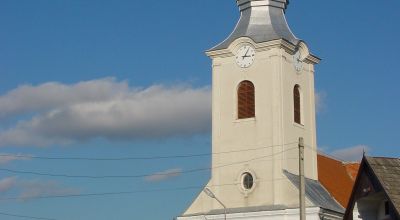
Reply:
x=397 y=158
x=331 y=157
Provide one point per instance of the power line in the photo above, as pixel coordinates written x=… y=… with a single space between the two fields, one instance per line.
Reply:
x=130 y=192
x=142 y=191
x=98 y=177
x=137 y=158
x=328 y=155
x=105 y=159
x=137 y=176
x=25 y=216
x=101 y=194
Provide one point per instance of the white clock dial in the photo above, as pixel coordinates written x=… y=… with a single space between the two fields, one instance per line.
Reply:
x=297 y=61
x=245 y=56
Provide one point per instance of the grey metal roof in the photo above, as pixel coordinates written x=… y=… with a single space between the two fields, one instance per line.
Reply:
x=262 y=21
x=316 y=193
x=387 y=170
x=242 y=210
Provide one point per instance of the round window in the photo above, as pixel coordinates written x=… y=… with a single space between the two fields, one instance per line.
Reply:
x=247 y=181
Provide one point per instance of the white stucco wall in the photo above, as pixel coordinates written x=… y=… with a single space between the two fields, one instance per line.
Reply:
x=260 y=142
x=370 y=208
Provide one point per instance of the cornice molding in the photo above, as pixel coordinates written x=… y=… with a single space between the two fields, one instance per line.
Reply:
x=312 y=59
x=264 y=46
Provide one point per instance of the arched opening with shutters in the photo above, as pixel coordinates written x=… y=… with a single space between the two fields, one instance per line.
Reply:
x=246 y=100
x=297 y=104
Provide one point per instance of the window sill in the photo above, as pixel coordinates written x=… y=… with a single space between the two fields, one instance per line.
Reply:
x=244 y=120
x=298 y=125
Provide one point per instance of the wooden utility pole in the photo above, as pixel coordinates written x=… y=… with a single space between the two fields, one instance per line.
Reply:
x=302 y=194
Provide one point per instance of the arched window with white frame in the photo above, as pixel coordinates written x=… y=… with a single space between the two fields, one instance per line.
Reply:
x=246 y=100
x=297 y=104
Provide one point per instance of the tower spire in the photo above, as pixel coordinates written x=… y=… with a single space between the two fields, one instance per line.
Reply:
x=262 y=21
x=244 y=4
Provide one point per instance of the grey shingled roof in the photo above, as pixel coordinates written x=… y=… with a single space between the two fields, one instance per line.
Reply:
x=387 y=170
x=316 y=193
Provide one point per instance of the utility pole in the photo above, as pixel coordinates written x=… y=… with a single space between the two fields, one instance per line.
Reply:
x=302 y=194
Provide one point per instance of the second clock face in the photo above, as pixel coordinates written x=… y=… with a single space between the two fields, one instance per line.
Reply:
x=298 y=63
x=245 y=56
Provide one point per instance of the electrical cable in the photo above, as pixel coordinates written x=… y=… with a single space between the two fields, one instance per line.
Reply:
x=330 y=155
x=136 y=158
x=135 y=176
x=25 y=216
x=130 y=192
x=143 y=191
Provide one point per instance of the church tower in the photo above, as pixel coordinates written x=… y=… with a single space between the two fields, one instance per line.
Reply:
x=262 y=102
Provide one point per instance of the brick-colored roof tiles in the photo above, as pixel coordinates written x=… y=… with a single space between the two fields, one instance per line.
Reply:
x=352 y=169
x=337 y=177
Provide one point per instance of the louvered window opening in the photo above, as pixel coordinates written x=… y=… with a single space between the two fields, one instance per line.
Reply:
x=246 y=100
x=297 y=104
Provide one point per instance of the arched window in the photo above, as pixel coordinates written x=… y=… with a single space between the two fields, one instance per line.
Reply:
x=297 y=104
x=246 y=102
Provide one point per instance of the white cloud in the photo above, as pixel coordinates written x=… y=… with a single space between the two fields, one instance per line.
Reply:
x=30 y=189
x=320 y=98
x=164 y=175
x=28 y=98
x=75 y=113
x=354 y=153
x=7 y=183
x=8 y=158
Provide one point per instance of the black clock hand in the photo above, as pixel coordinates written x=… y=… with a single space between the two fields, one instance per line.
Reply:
x=247 y=52
x=245 y=55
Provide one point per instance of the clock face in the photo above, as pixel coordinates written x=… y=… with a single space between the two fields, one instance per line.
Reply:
x=245 y=56
x=297 y=62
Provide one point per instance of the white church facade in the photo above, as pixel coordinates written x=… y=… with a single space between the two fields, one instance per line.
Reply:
x=262 y=102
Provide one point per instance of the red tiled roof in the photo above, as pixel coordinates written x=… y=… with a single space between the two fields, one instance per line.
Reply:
x=352 y=170
x=337 y=177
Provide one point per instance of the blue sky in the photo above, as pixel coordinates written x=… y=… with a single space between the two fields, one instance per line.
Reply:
x=90 y=78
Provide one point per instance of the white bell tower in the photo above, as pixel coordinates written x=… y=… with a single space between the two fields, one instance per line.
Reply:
x=262 y=102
